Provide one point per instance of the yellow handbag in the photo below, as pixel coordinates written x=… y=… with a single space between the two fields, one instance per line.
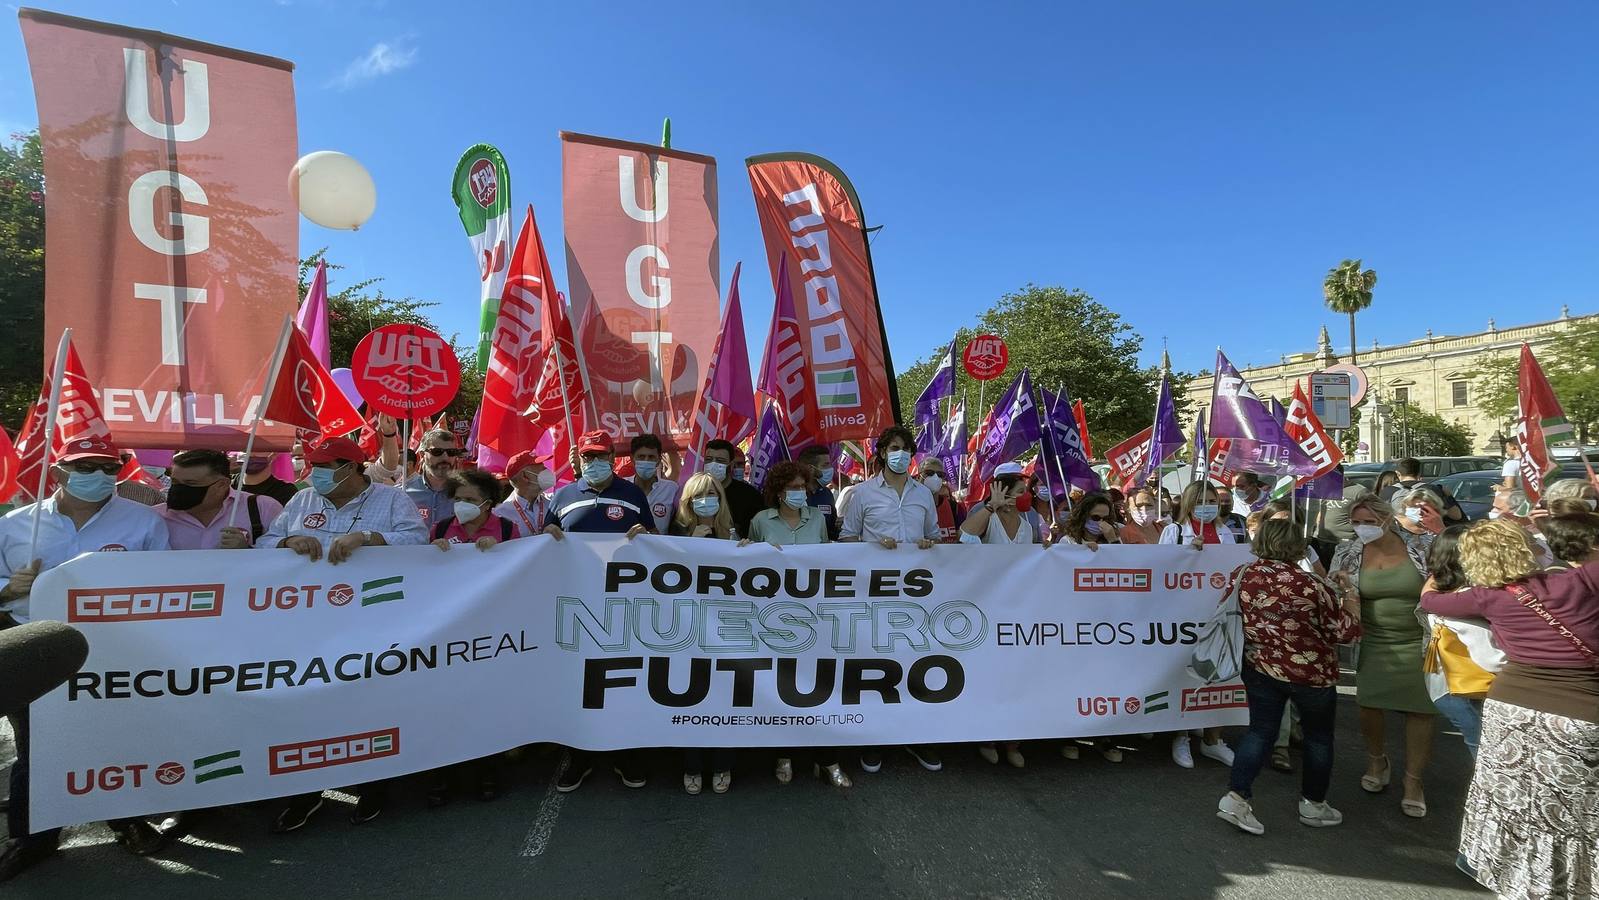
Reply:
x=1447 y=654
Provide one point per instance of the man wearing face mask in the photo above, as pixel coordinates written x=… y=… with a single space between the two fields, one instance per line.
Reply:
x=426 y=488
x=200 y=501
x=950 y=515
x=601 y=503
x=341 y=512
x=84 y=515
x=662 y=493
x=743 y=500
x=532 y=480
x=818 y=462
x=888 y=509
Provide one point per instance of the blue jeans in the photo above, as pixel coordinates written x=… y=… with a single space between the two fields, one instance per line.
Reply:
x=1267 y=698
x=1465 y=714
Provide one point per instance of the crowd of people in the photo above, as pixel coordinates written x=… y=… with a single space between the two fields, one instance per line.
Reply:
x=1491 y=624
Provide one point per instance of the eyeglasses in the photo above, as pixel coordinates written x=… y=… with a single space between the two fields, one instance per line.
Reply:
x=451 y=452
x=85 y=468
x=1096 y=518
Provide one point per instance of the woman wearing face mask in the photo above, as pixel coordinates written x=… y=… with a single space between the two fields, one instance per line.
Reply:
x=1418 y=511
x=472 y=493
x=1143 y=526
x=1388 y=565
x=702 y=513
x=787 y=520
x=1092 y=522
x=1196 y=520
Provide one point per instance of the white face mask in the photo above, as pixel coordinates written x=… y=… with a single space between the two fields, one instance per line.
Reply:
x=1206 y=512
x=546 y=480
x=1142 y=515
x=1368 y=533
x=466 y=510
x=934 y=483
x=1414 y=514
x=717 y=470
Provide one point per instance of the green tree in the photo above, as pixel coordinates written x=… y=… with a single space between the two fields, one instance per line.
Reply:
x=1348 y=290
x=1570 y=361
x=1064 y=337
x=1418 y=433
x=21 y=275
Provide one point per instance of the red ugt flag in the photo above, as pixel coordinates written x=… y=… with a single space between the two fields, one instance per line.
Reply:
x=10 y=466
x=78 y=417
x=1541 y=419
x=305 y=394
x=516 y=350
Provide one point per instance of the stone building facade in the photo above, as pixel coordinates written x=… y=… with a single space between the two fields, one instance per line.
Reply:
x=1433 y=373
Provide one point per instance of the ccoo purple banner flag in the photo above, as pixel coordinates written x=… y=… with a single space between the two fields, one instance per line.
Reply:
x=1259 y=443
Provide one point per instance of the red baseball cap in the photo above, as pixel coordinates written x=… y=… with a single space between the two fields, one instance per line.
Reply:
x=594 y=441
x=334 y=450
x=83 y=448
x=524 y=459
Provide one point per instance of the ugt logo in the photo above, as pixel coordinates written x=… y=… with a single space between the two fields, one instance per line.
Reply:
x=407 y=363
x=485 y=183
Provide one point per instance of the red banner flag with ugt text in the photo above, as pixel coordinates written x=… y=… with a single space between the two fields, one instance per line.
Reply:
x=1541 y=418
x=516 y=348
x=78 y=417
x=305 y=394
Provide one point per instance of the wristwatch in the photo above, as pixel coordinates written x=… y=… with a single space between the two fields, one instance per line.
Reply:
x=366 y=538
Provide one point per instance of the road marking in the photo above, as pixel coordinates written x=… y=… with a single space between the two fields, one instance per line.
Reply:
x=538 y=836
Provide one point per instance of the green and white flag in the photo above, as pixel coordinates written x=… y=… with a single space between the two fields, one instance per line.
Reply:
x=482 y=190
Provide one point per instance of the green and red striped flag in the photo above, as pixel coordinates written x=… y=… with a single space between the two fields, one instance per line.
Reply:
x=482 y=191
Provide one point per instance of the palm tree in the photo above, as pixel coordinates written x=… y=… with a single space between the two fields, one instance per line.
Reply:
x=1348 y=291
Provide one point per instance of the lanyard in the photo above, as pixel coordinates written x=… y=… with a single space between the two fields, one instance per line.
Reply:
x=516 y=504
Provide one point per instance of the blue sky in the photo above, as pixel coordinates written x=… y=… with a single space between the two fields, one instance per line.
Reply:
x=1197 y=167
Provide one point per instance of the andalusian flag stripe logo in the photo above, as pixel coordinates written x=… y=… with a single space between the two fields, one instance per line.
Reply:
x=838 y=389
x=374 y=591
x=210 y=774
x=1157 y=702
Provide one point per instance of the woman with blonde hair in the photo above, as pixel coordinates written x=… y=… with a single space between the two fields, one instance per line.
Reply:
x=1198 y=519
x=1532 y=814
x=702 y=513
x=702 y=510
x=1387 y=565
x=1143 y=525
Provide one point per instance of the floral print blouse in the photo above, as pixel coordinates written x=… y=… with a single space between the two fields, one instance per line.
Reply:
x=1293 y=623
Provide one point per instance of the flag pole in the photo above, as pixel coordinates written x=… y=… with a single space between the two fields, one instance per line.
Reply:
x=52 y=408
x=260 y=412
x=566 y=401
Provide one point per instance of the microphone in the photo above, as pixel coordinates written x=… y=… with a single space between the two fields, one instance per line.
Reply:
x=37 y=658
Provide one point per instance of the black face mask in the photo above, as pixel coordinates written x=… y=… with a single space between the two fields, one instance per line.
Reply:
x=185 y=496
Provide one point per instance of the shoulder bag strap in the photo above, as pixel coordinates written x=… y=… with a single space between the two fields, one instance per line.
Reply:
x=1531 y=601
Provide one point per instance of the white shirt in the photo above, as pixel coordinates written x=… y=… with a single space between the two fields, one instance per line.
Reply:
x=1182 y=534
x=663 y=495
x=381 y=474
x=380 y=508
x=121 y=524
x=527 y=518
x=877 y=511
x=1511 y=469
x=995 y=532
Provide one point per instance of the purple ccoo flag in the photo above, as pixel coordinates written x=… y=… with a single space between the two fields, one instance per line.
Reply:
x=951 y=451
x=1061 y=447
x=1166 y=436
x=1258 y=442
x=941 y=388
x=1012 y=428
x=1199 y=450
x=769 y=447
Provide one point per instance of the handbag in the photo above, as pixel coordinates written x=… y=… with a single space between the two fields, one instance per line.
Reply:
x=1447 y=656
x=1531 y=601
x=1218 y=654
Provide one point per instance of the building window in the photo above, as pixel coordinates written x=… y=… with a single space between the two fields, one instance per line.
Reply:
x=1459 y=388
x=1401 y=395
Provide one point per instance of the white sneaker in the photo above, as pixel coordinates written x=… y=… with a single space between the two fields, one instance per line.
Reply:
x=989 y=753
x=1181 y=753
x=1319 y=815
x=692 y=784
x=1218 y=751
x=1237 y=810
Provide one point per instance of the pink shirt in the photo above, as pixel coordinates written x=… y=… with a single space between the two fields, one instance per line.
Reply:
x=188 y=534
x=455 y=532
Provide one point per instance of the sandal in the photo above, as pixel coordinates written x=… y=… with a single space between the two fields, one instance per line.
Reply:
x=1376 y=784
x=1416 y=809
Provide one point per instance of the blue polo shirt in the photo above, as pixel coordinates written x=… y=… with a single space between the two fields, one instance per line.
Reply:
x=435 y=506
x=822 y=499
x=577 y=507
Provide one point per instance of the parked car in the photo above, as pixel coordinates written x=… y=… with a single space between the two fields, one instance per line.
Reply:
x=1433 y=468
x=1474 y=491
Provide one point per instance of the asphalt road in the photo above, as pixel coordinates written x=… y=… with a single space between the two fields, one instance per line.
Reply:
x=1087 y=828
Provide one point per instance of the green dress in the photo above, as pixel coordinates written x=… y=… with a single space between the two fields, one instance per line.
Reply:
x=1389 y=674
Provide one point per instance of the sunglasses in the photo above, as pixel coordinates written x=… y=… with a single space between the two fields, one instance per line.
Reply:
x=1096 y=518
x=451 y=452
x=85 y=468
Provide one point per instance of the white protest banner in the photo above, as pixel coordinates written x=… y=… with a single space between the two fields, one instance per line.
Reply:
x=220 y=677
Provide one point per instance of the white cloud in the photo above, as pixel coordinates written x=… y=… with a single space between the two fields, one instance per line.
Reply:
x=385 y=57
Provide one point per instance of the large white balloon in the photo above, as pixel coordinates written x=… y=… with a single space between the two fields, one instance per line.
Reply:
x=333 y=190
